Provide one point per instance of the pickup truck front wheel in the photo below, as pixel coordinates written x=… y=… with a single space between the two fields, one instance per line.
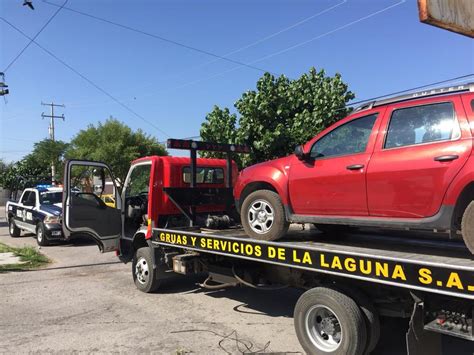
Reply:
x=144 y=276
x=13 y=229
x=263 y=215
x=41 y=235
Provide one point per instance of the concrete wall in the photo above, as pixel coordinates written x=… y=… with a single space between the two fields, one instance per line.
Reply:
x=4 y=196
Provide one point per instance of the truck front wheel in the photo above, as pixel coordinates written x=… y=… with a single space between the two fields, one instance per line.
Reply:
x=144 y=276
x=263 y=215
x=329 y=322
x=467 y=227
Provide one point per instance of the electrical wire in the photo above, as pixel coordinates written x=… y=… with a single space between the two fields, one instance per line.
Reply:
x=86 y=78
x=257 y=42
x=161 y=38
x=35 y=36
x=329 y=32
x=363 y=18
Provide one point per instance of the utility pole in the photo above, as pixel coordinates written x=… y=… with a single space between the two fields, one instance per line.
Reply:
x=51 y=132
x=3 y=87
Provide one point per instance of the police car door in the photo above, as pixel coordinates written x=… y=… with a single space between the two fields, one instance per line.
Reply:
x=84 y=211
x=23 y=210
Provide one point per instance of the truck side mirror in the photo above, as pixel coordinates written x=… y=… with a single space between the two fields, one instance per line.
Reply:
x=299 y=152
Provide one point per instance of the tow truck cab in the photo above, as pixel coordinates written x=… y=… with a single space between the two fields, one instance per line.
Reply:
x=155 y=193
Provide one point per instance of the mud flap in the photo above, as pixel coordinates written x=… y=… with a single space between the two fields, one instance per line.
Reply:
x=420 y=341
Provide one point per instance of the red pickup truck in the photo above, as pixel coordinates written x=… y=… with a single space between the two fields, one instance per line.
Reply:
x=405 y=162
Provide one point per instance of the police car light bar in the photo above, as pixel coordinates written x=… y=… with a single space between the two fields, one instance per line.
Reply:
x=208 y=146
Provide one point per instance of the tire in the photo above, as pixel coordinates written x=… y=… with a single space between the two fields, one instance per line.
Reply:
x=13 y=229
x=371 y=316
x=467 y=227
x=329 y=322
x=263 y=216
x=41 y=235
x=144 y=276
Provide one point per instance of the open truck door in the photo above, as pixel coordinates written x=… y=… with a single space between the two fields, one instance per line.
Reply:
x=84 y=211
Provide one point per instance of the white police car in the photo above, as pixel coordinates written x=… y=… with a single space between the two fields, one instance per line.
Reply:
x=38 y=211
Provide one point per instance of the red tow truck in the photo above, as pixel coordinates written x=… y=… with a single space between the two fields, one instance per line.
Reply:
x=177 y=216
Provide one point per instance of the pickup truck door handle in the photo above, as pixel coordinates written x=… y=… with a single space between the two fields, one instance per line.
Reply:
x=443 y=158
x=355 y=167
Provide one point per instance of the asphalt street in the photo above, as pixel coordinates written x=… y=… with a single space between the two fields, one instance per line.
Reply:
x=86 y=302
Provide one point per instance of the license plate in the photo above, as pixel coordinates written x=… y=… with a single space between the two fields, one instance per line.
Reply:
x=55 y=233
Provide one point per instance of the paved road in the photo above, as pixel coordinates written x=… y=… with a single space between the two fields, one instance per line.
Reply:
x=85 y=302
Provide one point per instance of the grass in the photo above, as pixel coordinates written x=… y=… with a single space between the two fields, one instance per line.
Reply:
x=30 y=257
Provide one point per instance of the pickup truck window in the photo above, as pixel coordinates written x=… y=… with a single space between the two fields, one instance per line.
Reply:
x=25 y=197
x=422 y=124
x=30 y=199
x=350 y=138
x=50 y=198
x=204 y=175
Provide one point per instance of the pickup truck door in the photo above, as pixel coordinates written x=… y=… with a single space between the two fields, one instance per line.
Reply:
x=84 y=211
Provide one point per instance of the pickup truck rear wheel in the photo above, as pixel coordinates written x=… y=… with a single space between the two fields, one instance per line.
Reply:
x=13 y=229
x=263 y=215
x=144 y=276
x=329 y=322
x=467 y=227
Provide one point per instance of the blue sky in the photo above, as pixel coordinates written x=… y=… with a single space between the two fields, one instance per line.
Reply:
x=174 y=87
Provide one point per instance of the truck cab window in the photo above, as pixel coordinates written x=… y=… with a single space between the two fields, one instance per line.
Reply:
x=89 y=184
x=136 y=198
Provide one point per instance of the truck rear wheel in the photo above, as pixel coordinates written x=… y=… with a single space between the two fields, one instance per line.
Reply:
x=467 y=227
x=13 y=229
x=329 y=322
x=144 y=276
x=263 y=215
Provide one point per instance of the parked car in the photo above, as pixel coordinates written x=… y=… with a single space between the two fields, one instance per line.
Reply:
x=38 y=211
x=405 y=162
x=109 y=200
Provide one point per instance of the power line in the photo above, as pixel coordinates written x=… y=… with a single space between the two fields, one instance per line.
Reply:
x=35 y=36
x=329 y=32
x=85 y=78
x=161 y=38
x=284 y=50
x=266 y=38
x=259 y=41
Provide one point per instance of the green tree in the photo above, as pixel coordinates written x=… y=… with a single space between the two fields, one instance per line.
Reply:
x=25 y=173
x=278 y=115
x=115 y=144
x=47 y=151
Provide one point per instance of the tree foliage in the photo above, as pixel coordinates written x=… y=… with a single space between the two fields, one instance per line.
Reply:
x=115 y=144
x=25 y=173
x=278 y=115
x=35 y=168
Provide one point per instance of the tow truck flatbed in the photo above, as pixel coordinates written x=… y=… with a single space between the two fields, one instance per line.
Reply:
x=417 y=264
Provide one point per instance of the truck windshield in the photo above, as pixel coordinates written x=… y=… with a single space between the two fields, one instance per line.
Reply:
x=50 y=198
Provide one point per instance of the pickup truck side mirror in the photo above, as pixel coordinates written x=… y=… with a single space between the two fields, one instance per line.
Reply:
x=300 y=154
